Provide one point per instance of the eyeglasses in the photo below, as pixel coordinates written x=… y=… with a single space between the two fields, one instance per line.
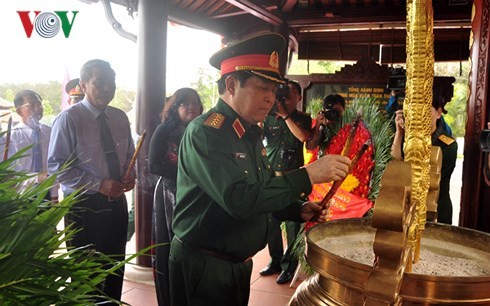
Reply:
x=189 y=104
x=32 y=105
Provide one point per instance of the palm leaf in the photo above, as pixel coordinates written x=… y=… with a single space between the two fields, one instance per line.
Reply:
x=36 y=268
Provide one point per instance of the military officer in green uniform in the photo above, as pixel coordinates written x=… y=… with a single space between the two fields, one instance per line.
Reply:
x=227 y=193
x=285 y=131
x=75 y=93
x=449 y=148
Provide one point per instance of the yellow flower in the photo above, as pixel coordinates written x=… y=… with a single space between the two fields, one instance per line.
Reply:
x=350 y=183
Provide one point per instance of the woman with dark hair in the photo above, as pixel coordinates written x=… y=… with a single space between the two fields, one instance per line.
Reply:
x=179 y=110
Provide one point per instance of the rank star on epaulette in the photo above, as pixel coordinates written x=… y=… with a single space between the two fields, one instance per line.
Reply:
x=238 y=127
x=215 y=120
x=446 y=139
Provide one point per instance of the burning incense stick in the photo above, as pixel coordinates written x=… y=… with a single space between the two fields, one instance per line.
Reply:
x=135 y=155
x=325 y=203
x=350 y=138
x=326 y=200
x=345 y=152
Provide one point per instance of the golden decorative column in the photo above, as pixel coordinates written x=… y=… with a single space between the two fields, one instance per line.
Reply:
x=418 y=101
x=399 y=222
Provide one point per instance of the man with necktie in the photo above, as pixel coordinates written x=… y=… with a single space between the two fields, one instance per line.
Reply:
x=30 y=132
x=94 y=140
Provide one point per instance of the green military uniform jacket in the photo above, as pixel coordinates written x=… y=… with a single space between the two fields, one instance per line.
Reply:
x=449 y=148
x=284 y=150
x=227 y=191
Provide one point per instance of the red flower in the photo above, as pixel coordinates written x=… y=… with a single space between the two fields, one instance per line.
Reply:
x=362 y=171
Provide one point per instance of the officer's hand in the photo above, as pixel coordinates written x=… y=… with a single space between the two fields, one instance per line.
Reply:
x=41 y=177
x=128 y=185
x=328 y=168
x=399 y=121
x=309 y=209
x=111 y=188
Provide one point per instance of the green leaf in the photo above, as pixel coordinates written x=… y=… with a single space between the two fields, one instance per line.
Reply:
x=35 y=267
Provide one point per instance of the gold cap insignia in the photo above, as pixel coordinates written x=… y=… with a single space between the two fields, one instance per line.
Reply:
x=274 y=59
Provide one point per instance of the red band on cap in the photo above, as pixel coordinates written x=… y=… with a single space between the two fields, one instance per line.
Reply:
x=260 y=62
x=75 y=91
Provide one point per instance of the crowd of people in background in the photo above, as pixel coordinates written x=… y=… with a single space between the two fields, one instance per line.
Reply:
x=227 y=178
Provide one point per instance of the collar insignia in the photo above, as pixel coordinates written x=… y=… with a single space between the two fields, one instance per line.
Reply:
x=238 y=127
x=215 y=120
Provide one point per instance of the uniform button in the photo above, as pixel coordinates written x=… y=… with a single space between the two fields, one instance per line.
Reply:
x=268 y=166
x=246 y=171
x=259 y=169
x=302 y=194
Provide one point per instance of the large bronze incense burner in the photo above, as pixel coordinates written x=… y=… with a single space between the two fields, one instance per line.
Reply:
x=370 y=261
x=454 y=268
x=397 y=258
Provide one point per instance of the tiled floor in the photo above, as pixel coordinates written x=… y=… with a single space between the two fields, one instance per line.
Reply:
x=263 y=290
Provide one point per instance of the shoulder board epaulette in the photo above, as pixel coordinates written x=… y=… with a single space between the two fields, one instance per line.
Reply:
x=215 y=120
x=446 y=139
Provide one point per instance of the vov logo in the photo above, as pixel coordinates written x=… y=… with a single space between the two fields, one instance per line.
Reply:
x=47 y=24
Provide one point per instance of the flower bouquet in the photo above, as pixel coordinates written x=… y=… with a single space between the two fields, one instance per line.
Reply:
x=362 y=122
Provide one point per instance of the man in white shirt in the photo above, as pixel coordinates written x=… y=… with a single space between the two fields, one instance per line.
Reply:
x=30 y=132
x=94 y=138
